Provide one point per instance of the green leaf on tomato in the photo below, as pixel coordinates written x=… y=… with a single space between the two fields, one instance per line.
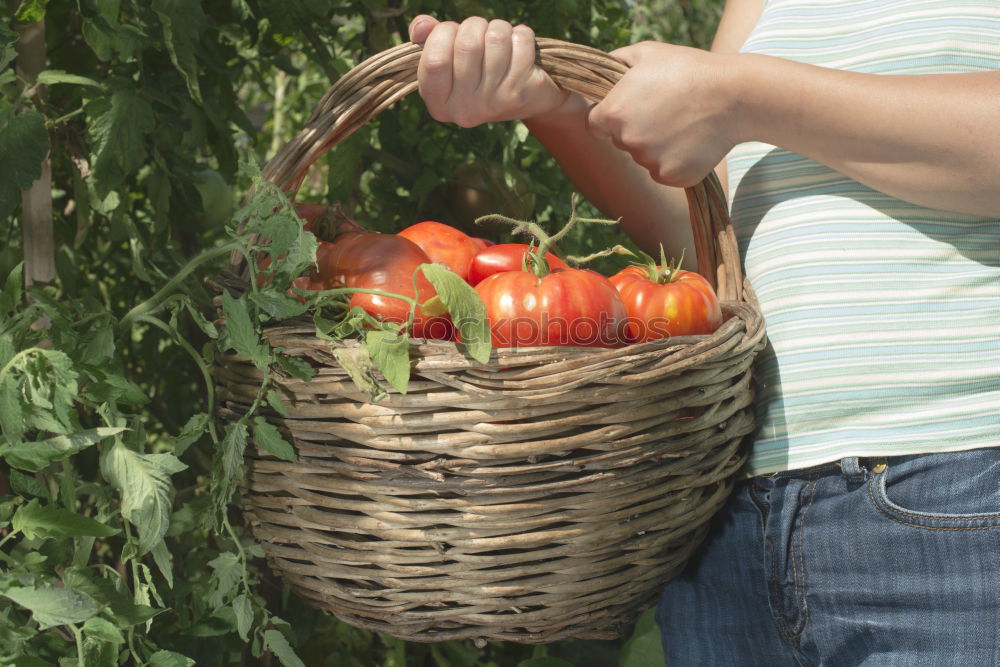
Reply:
x=468 y=312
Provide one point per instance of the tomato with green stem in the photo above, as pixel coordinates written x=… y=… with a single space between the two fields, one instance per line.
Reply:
x=505 y=257
x=663 y=300
x=542 y=306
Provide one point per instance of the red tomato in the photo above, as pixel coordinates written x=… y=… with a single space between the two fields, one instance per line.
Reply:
x=666 y=302
x=567 y=307
x=383 y=262
x=505 y=257
x=444 y=245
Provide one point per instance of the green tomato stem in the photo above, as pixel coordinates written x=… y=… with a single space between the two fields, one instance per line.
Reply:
x=152 y=303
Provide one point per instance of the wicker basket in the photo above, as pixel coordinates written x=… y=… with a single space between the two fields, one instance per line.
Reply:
x=546 y=495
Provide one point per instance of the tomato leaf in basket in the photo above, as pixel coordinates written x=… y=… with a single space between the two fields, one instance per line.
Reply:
x=296 y=367
x=269 y=439
x=278 y=305
x=468 y=312
x=358 y=363
x=390 y=351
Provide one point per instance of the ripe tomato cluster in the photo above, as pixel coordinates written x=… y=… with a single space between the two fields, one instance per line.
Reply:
x=530 y=300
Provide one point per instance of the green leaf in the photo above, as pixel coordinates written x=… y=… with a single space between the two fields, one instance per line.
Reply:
x=146 y=489
x=468 y=312
x=183 y=22
x=27 y=485
x=8 y=38
x=31 y=11
x=161 y=556
x=124 y=611
x=357 y=362
x=278 y=405
x=243 y=609
x=48 y=521
x=296 y=367
x=52 y=606
x=13 y=287
x=103 y=629
x=53 y=76
x=118 y=127
x=227 y=469
x=192 y=431
x=169 y=659
x=278 y=305
x=391 y=354
x=227 y=572
x=111 y=387
x=33 y=456
x=240 y=332
x=275 y=642
x=644 y=647
x=24 y=143
x=268 y=438
x=199 y=319
x=11 y=414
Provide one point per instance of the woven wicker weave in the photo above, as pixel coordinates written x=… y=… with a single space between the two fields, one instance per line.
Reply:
x=546 y=495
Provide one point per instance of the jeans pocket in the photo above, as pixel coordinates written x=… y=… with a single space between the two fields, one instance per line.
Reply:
x=943 y=491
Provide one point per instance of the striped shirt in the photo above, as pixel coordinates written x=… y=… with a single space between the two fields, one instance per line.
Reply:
x=883 y=317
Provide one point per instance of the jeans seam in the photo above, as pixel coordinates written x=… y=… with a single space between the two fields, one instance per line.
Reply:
x=791 y=632
x=799 y=567
x=880 y=506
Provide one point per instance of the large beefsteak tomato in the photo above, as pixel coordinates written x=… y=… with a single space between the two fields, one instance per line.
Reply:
x=444 y=244
x=663 y=300
x=386 y=263
x=566 y=307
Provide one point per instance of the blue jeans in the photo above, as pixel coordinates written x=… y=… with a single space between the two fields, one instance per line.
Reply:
x=892 y=562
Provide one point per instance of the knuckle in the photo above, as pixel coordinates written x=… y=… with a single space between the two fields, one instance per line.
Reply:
x=468 y=45
x=498 y=33
x=435 y=63
x=475 y=23
x=523 y=36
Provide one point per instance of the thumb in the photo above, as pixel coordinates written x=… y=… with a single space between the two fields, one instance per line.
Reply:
x=598 y=122
x=627 y=54
x=420 y=27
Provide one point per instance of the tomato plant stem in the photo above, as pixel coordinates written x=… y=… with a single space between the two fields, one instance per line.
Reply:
x=153 y=302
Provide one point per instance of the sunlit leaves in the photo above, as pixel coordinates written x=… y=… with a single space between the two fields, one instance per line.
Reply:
x=143 y=481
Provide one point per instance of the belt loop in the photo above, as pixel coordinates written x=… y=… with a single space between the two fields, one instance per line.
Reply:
x=852 y=469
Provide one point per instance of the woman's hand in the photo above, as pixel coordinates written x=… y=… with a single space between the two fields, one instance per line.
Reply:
x=481 y=71
x=670 y=111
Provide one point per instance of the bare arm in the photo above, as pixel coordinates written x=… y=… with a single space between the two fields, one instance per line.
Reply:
x=927 y=139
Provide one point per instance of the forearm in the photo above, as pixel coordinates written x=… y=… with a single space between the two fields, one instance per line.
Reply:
x=650 y=213
x=927 y=139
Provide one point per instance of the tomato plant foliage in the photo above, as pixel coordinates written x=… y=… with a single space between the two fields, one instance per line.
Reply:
x=120 y=539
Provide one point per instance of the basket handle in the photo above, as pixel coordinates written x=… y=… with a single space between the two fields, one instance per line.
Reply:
x=385 y=78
